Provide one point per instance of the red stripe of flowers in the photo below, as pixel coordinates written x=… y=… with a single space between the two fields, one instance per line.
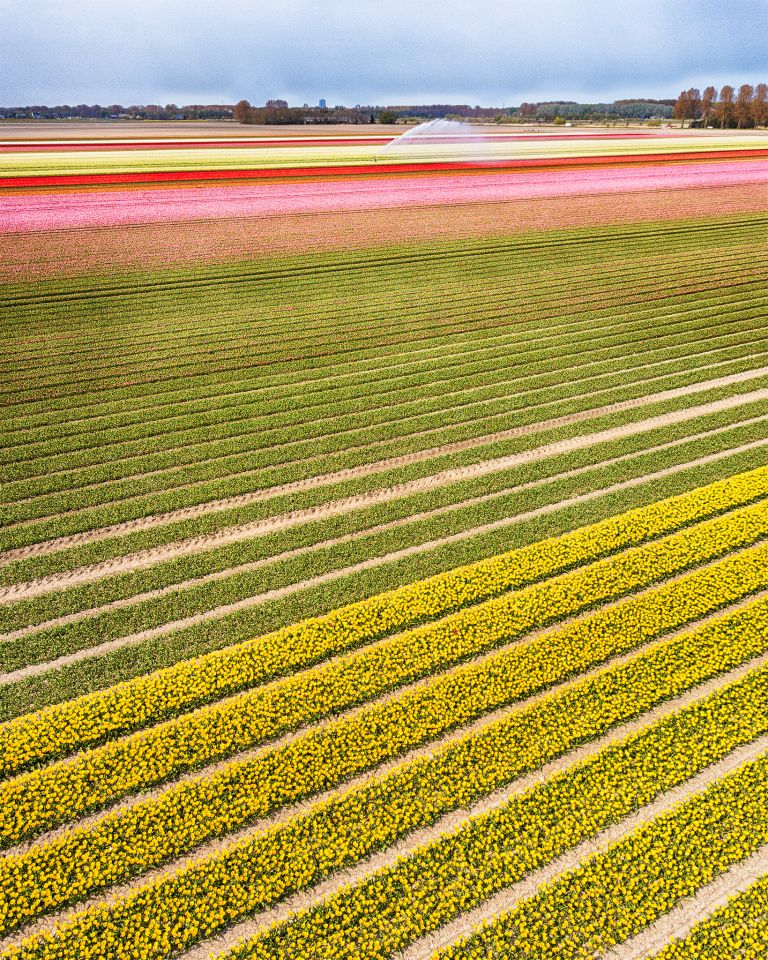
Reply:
x=368 y=169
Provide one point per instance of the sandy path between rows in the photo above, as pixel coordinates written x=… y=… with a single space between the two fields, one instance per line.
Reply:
x=280 y=592
x=233 y=534
x=453 y=822
x=460 y=398
x=509 y=898
x=91 y=612
x=680 y=920
x=447 y=824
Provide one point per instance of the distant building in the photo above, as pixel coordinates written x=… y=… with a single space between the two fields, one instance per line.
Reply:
x=323 y=105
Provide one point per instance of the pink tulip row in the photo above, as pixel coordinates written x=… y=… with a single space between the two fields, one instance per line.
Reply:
x=109 y=208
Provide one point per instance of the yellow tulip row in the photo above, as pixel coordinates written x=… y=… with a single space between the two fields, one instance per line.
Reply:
x=43 y=798
x=172 y=913
x=398 y=905
x=618 y=893
x=737 y=930
x=123 y=844
x=63 y=728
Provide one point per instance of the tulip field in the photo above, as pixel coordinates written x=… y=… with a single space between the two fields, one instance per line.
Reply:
x=383 y=543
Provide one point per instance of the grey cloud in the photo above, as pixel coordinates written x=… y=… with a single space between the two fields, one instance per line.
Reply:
x=486 y=51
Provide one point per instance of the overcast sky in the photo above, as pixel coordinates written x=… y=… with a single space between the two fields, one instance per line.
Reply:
x=491 y=52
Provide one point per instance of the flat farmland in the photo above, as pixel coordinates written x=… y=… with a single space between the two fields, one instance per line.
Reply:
x=384 y=552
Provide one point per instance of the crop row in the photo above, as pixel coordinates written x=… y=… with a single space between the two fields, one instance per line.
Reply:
x=341 y=388
x=295 y=287
x=739 y=929
x=132 y=663
x=58 y=557
x=119 y=501
x=456 y=338
x=298 y=323
x=125 y=843
x=618 y=893
x=713 y=325
x=434 y=307
x=129 y=391
x=429 y=316
x=431 y=324
x=296 y=283
x=324 y=377
x=169 y=469
x=267 y=157
x=92 y=718
x=322 y=382
x=298 y=569
x=468 y=391
x=440 y=524
x=334 y=376
x=65 y=791
x=207 y=580
x=663 y=342
x=293 y=282
x=297 y=275
x=175 y=911
x=493 y=311
x=391 y=909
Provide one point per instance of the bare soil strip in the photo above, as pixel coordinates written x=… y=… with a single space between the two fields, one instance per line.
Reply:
x=507 y=899
x=212 y=768
x=679 y=921
x=141 y=247
x=276 y=594
x=453 y=822
x=448 y=824
x=420 y=456
x=347 y=538
x=482 y=468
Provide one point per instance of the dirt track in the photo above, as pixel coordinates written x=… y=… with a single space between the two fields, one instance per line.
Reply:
x=447 y=824
x=168 y=551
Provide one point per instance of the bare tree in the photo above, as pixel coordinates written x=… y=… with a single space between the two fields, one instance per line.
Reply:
x=725 y=106
x=760 y=105
x=680 y=109
x=694 y=103
x=708 y=99
x=242 y=111
x=743 y=106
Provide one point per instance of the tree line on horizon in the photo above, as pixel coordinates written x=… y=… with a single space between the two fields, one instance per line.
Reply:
x=742 y=108
x=116 y=111
x=747 y=107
